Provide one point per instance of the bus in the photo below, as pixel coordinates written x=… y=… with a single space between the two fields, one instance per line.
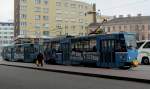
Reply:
x=21 y=52
x=144 y=51
x=107 y=50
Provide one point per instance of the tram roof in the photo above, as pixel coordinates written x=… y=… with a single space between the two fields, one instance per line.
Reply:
x=96 y=35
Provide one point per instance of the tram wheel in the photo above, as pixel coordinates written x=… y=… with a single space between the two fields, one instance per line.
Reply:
x=145 y=61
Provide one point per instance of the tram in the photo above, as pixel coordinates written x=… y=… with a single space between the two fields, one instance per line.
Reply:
x=106 y=50
x=21 y=52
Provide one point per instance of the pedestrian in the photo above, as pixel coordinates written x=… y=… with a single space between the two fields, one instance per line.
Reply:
x=40 y=59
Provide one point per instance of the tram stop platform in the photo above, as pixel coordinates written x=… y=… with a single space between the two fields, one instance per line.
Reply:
x=137 y=74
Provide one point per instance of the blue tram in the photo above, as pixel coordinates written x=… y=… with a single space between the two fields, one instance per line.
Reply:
x=21 y=52
x=7 y=52
x=108 y=50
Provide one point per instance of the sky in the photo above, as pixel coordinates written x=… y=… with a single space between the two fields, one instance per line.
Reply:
x=106 y=7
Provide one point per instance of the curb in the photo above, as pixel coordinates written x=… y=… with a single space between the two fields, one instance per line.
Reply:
x=86 y=74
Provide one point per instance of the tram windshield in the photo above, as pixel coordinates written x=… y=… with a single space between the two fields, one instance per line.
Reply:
x=130 y=41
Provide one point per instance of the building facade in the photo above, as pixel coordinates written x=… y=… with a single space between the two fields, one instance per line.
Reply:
x=34 y=17
x=72 y=17
x=51 y=17
x=138 y=24
x=6 y=34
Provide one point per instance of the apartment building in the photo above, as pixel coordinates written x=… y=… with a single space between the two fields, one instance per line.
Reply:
x=38 y=18
x=6 y=34
x=138 y=24
x=34 y=18
x=72 y=17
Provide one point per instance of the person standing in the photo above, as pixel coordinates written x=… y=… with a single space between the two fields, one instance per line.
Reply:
x=40 y=59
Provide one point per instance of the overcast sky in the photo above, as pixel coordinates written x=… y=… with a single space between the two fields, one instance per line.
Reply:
x=107 y=7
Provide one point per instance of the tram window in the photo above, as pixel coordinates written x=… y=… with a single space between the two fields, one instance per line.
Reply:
x=8 y=49
x=19 y=49
x=93 y=45
x=56 y=46
x=130 y=41
x=120 y=46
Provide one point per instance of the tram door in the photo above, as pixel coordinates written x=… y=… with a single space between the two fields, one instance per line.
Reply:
x=66 y=53
x=107 y=53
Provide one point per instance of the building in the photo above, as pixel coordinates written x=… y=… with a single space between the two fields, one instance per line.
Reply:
x=100 y=18
x=138 y=24
x=73 y=17
x=40 y=18
x=34 y=18
x=6 y=34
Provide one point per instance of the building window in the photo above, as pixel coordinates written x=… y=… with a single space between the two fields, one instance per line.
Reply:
x=46 y=25
x=136 y=27
x=66 y=4
x=131 y=28
x=37 y=17
x=82 y=27
x=86 y=7
x=5 y=28
x=143 y=37
x=113 y=28
x=45 y=2
x=24 y=1
x=45 y=18
x=66 y=27
x=120 y=28
x=23 y=16
x=73 y=5
x=80 y=6
x=59 y=26
x=23 y=23
x=73 y=27
x=148 y=36
x=23 y=7
x=143 y=27
x=37 y=1
x=45 y=10
x=37 y=9
x=37 y=26
x=108 y=29
x=149 y=27
x=81 y=20
x=46 y=33
x=58 y=3
x=125 y=27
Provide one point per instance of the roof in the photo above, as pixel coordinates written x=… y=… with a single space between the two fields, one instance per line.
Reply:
x=130 y=20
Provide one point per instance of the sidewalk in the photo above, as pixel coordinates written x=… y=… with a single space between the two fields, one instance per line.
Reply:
x=136 y=74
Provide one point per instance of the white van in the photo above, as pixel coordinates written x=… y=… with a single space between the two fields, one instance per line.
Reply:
x=144 y=51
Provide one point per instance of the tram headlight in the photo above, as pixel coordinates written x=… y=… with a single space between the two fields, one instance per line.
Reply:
x=135 y=63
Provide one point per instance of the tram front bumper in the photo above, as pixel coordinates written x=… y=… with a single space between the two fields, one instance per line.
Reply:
x=135 y=63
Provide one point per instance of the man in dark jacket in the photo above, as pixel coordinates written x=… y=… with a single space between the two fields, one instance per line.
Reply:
x=40 y=59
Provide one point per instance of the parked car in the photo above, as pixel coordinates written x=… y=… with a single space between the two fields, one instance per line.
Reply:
x=144 y=51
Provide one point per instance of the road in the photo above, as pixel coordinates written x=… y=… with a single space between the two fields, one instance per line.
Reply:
x=21 y=78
